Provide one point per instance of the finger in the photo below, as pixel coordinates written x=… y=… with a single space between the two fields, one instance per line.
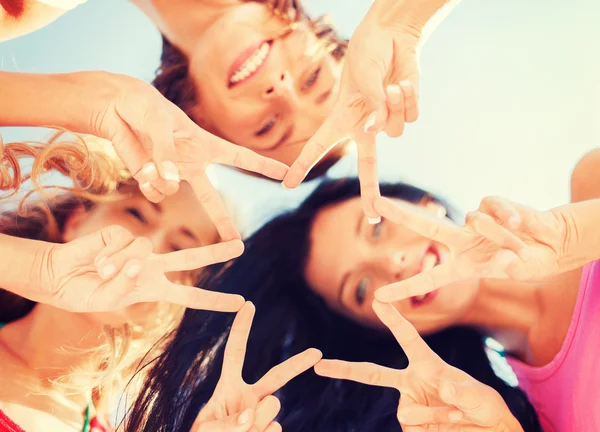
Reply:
x=502 y=210
x=431 y=227
x=411 y=101
x=369 y=76
x=131 y=151
x=195 y=258
x=274 y=427
x=150 y=192
x=326 y=137
x=235 y=349
x=159 y=132
x=245 y=159
x=214 y=206
x=368 y=177
x=234 y=423
x=424 y=282
x=483 y=224
x=190 y=297
x=409 y=339
x=365 y=373
x=266 y=412
x=139 y=249
x=479 y=403
x=114 y=238
x=418 y=415
x=395 y=106
x=283 y=373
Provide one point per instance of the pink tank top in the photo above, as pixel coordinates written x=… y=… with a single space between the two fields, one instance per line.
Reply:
x=566 y=392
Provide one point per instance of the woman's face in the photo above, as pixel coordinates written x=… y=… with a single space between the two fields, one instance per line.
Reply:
x=349 y=259
x=178 y=222
x=265 y=93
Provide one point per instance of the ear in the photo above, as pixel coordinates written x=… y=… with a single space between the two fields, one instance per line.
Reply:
x=73 y=223
x=433 y=207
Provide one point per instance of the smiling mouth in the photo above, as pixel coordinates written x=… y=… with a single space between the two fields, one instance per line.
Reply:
x=429 y=261
x=250 y=65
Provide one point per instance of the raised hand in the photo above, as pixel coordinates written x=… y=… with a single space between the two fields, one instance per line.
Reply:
x=111 y=269
x=500 y=240
x=378 y=91
x=233 y=396
x=433 y=394
x=160 y=145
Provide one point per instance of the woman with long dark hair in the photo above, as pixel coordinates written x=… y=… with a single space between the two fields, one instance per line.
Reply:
x=286 y=271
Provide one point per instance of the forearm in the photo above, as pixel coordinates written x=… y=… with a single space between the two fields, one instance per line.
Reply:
x=20 y=264
x=582 y=240
x=421 y=15
x=45 y=100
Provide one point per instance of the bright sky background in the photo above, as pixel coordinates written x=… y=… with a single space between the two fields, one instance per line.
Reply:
x=510 y=94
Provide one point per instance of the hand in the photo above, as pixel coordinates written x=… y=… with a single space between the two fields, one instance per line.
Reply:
x=232 y=395
x=160 y=145
x=378 y=91
x=500 y=240
x=111 y=269
x=433 y=394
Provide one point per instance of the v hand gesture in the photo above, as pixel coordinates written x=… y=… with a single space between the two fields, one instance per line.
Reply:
x=111 y=269
x=433 y=394
x=233 y=396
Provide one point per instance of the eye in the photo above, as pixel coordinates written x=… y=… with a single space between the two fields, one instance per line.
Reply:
x=361 y=291
x=175 y=248
x=136 y=214
x=267 y=127
x=312 y=79
x=377 y=230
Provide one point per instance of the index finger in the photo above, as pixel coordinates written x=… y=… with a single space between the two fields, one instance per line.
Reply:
x=214 y=206
x=195 y=258
x=368 y=177
x=324 y=139
x=235 y=349
x=365 y=373
x=407 y=336
x=192 y=297
x=283 y=373
x=431 y=227
x=245 y=159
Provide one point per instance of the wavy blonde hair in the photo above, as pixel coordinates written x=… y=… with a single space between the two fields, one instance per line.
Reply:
x=97 y=175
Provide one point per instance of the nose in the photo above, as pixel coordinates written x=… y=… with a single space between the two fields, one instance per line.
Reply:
x=281 y=87
x=393 y=264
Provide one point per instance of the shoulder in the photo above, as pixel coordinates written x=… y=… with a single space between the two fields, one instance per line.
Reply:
x=585 y=178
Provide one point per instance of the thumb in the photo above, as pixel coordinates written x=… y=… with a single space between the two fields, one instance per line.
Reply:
x=234 y=423
x=474 y=399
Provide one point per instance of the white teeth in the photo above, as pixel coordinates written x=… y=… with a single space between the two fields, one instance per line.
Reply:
x=251 y=64
x=421 y=297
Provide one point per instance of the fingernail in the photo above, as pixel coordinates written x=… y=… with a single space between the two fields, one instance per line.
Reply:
x=374 y=221
x=370 y=122
x=244 y=417
x=394 y=94
x=146 y=185
x=100 y=261
x=150 y=171
x=455 y=416
x=170 y=171
x=107 y=271
x=133 y=270
x=401 y=416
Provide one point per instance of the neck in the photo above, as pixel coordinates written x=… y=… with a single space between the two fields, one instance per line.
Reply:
x=50 y=343
x=183 y=22
x=507 y=310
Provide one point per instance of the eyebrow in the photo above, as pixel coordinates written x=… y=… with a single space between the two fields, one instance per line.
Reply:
x=347 y=274
x=156 y=207
x=189 y=234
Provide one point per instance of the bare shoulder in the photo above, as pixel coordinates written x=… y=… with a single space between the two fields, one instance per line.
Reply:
x=585 y=178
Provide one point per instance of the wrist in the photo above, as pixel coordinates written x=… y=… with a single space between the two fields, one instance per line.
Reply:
x=581 y=237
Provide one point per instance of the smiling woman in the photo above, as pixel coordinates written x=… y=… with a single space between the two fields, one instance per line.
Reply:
x=273 y=74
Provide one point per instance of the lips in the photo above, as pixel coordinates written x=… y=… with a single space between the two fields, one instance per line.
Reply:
x=429 y=261
x=248 y=63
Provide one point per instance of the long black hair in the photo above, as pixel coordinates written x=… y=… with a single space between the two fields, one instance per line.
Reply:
x=289 y=319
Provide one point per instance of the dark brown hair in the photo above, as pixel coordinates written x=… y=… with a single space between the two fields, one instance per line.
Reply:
x=174 y=82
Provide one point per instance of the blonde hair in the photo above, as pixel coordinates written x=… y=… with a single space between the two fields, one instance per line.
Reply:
x=97 y=175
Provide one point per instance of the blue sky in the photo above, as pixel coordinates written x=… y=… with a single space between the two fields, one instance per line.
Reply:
x=510 y=93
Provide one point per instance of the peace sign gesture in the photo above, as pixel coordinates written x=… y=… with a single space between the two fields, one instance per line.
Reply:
x=111 y=269
x=500 y=240
x=233 y=396
x=433 y=394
